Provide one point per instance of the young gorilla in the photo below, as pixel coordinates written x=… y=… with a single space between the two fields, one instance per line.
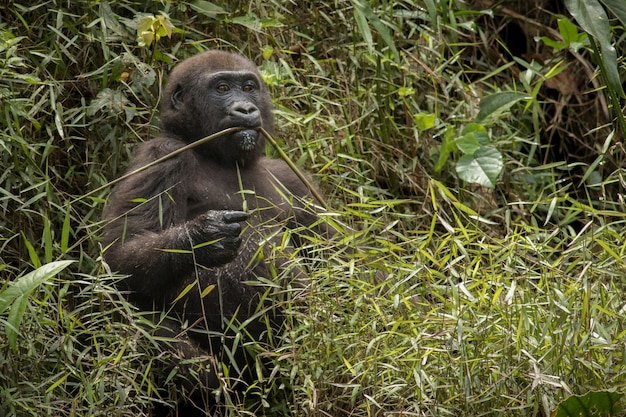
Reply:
x=179 y=222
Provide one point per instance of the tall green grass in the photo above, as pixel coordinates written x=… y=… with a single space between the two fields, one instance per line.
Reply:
x=461 y=299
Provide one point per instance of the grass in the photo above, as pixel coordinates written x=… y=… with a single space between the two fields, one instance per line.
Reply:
x=477 y=325
x=461 y=300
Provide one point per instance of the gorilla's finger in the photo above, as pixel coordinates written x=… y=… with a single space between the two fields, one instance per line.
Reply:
x=232 y=228
x=235 y=216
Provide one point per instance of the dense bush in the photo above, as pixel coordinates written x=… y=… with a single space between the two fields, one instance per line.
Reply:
x=482 y=175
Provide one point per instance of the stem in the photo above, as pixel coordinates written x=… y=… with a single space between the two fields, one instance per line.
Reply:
x=295 y=169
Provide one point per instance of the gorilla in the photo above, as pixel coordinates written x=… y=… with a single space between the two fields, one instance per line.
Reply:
x=187 y=233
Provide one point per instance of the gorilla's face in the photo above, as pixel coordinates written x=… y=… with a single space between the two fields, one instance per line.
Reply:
x=237 y=96
x=215 y=91
x=222 y=100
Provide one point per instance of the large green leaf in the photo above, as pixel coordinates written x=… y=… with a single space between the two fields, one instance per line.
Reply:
x=472 y=141
x=481 y=168
x=593 y=404
x=251 y=21
x=207 y=8
x=591 y=16
x=499 y=102
x=468 y=144
x=618 y=8
x=16 y=295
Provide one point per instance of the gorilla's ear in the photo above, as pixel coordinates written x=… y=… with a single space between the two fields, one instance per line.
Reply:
x=177 y=97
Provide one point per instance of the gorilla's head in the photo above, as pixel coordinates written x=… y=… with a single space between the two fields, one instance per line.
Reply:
x=211 y=92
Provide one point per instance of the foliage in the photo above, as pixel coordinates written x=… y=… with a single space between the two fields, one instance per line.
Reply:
x=604 y=403
x=483 y=187
x=593 y=19
x=16 y=296
x=591 y=16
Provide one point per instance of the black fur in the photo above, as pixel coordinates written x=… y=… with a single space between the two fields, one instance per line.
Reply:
x=157 y=220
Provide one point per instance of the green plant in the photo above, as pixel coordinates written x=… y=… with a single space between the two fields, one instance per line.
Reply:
x=462 y=301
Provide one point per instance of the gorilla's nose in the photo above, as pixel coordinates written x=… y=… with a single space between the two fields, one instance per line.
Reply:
x=247 y=113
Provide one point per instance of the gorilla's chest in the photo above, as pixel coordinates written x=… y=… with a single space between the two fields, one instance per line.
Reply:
x=252 y=190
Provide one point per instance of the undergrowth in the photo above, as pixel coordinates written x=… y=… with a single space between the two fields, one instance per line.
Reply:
x=465 y=297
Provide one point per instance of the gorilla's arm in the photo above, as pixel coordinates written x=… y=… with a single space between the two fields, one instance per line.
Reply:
x=153 y=258
x=146 y=231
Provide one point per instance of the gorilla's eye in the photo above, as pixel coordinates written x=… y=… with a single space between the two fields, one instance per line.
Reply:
x=223 y=88
x=249 y=87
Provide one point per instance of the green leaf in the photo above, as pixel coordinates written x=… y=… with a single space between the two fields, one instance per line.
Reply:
x=361 y=22
x=250 y=21
x=151 y=28
x=111 y=101
x=14 y=319
x=163 y=26
x=32 y=253
x=145 y=31
x=568 y=31
x=425 y=121
x=447 y=147
x=474 y=136
x=25 y=285
x=593 y=404
x=618 y=8
x=269 y=22
x=473 y=127
x=499 y=102
x=207 y=290
x=557 y=46
x=267 y=52
x=406 y=91
x=468 y=144
x=15 y=296
x=572 y=38
x=143 y=77
x=184 y=292
x=482 y=168
x=593 y=19
x=110 y=19
x=432 y=12
x=363 y=13
x=65 y=231
x=207 y=8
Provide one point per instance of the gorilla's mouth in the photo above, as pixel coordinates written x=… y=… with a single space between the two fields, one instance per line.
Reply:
x=247 y=139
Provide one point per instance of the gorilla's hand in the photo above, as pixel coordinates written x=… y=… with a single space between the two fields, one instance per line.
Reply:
x=216 y=236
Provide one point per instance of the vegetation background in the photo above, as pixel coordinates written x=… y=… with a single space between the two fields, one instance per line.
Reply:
x=475 y=149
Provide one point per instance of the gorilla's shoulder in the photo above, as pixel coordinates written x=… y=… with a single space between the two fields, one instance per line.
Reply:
x=159 y=147
x=276 y=166
x=281 y=172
